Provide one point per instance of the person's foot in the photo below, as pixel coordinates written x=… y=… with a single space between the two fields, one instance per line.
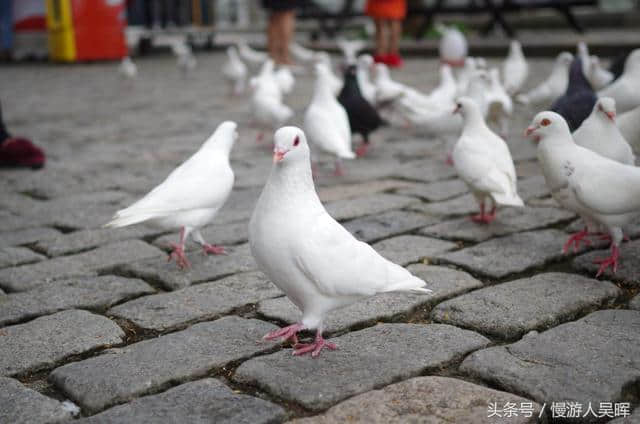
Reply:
x=394 y=60
x=380 y=58
x=19 y=152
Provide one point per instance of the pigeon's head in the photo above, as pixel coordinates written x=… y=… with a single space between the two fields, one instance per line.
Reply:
x=632 y=64
x=606 y=107
x=564 y=59
x=365 y=61
x=322 y=57
x=466 y=106
x=382 y=72
x=350 y=72
x=224 y=136
x=545 y=124
x=290 y=145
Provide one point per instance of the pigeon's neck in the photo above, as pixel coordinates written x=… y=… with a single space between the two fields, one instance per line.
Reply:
x=322 y=91
x=293 y=184
x=473 y=120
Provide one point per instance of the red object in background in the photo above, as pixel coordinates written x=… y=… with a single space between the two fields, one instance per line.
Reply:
x=98 y=27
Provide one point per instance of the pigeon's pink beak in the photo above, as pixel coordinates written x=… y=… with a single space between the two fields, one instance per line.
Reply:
x=530 y=130
x=278 y=155
x=611 y=115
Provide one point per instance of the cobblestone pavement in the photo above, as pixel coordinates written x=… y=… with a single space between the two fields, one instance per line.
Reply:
x=98 y=317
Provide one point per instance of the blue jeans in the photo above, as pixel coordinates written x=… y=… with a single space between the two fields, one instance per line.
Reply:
x=6 y=24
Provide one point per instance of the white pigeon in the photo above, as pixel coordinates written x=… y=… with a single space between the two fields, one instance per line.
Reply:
x=235 y=71
x=386 y=89
x=336 y=82
x=326 y=122
x=185 y=60
x=478 y=88
x=363 y=75
x=285 y=79
x=553 y=87
x=267 y=109
x=582 y=51
x=481 y=63
x=598 y=76
x=514 y=69
x=464 y=75
x=127 y=68
x=251 y=56
x=446 y=90
x=600 y=134
x=190 y=196
x=626 y=89
x=301 y=53
x=629 y=125
x=499 y=103
x=483 y=161
x=308 y=255
x=350 y=49
x=453 y=46
x=599 y=189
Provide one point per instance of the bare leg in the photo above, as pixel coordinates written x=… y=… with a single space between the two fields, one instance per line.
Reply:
x=382 y=27
x=287 y=26
x=394 y=35
x=272 y=36
x=178 y=249
x=206 y=247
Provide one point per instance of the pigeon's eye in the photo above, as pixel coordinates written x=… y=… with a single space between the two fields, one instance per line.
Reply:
x=296 y=141
x=459 y=105
x=545 y=122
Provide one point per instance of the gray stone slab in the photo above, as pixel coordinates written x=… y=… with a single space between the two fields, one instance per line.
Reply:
x=506 y=310
x=635 y=303
x=203 y=268
x=166 y=311
x=239 y=206
x=20 y=405
x=438 y=191
x=79 y=241
x=445 y=283
x=533 y=187
x=508 y=221
x=14 y=256
x=121 y=375
x=80 y=293
x=628 y=271
x=200 y=402
x=47 y=340
x=593 y=360
x=394 y=351
x=461 y=205
x=26 y=277
x=26 y=236
x=426 y=400
x=427 y=170
x=347 y=191
x=376 y=227
x=404 y=250
x=512 y=254
x=369 y=205
x=218 y=234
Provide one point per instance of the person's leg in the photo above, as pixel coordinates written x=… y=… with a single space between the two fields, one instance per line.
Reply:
x=381 y=37
x=287 y=27
x=272 y=36
x=394 y=35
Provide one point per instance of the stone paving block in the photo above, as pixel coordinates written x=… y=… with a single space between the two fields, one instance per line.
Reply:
x=149 y=366
x=203 y=268
x=200 y=402
x=27 y=236
x=628 y=271
x=347 y=191
x=239 y=205
x=515 y=253
x=43 y=342
x=376 y=227
x=506 y=310
x=635 y=303
x=79 y=241
x=20 y=405
x=508 y=221
x=593 y=360
x=369 y=205
x=86 y=293
x=445 y=283
x=404 y=250
x=427 y=170
x=438 y=191
x=425 y=400
x=528 y=169
x=14 y=256
x=218 y=234
x=394 y=351
x=203 y=301
x=13 y=222
x=26 y=277
x=533 y=187
x=461 y=205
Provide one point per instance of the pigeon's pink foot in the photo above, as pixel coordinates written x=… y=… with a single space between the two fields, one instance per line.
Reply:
x=482 y=218
x=449 y=160
x=260 y=137
x=338 y=172
x=607 y=237
x=212 y=248
x=315 y=348
x=285 y=333
x=575 y=240
x=179 y=256
x=362 y=149
x=610 y=261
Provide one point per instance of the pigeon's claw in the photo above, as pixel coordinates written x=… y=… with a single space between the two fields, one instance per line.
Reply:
x=212 y=248
x=362 y=149
x=610 y=261
x=449 y=160
x=575 y=240
x=285 y=333
x=483 y=218
x=178 y=255
x=315 y=348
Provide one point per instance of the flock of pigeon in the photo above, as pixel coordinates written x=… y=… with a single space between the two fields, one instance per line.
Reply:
x=583 y=146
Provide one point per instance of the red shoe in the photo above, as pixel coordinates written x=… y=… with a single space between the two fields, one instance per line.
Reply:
x=20 y=152
x=380 y=58
x=394 y=60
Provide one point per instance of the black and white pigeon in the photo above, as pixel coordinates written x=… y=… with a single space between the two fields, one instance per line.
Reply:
x=363 y=117
x=576 y=104
x=313 y=259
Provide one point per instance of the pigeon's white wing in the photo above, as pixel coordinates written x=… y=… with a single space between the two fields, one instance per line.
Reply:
x=339 y=265
x=328 y=130
x=475 y=165
x=603 y=185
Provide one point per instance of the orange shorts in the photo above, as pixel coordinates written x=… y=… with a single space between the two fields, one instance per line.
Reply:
x=386 y=9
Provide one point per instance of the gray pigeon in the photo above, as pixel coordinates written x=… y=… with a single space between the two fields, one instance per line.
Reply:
x=576 y=104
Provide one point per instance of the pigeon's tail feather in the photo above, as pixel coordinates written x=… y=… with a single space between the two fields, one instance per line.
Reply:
x=508 y=199
x=123 y=220
x=411 y=285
